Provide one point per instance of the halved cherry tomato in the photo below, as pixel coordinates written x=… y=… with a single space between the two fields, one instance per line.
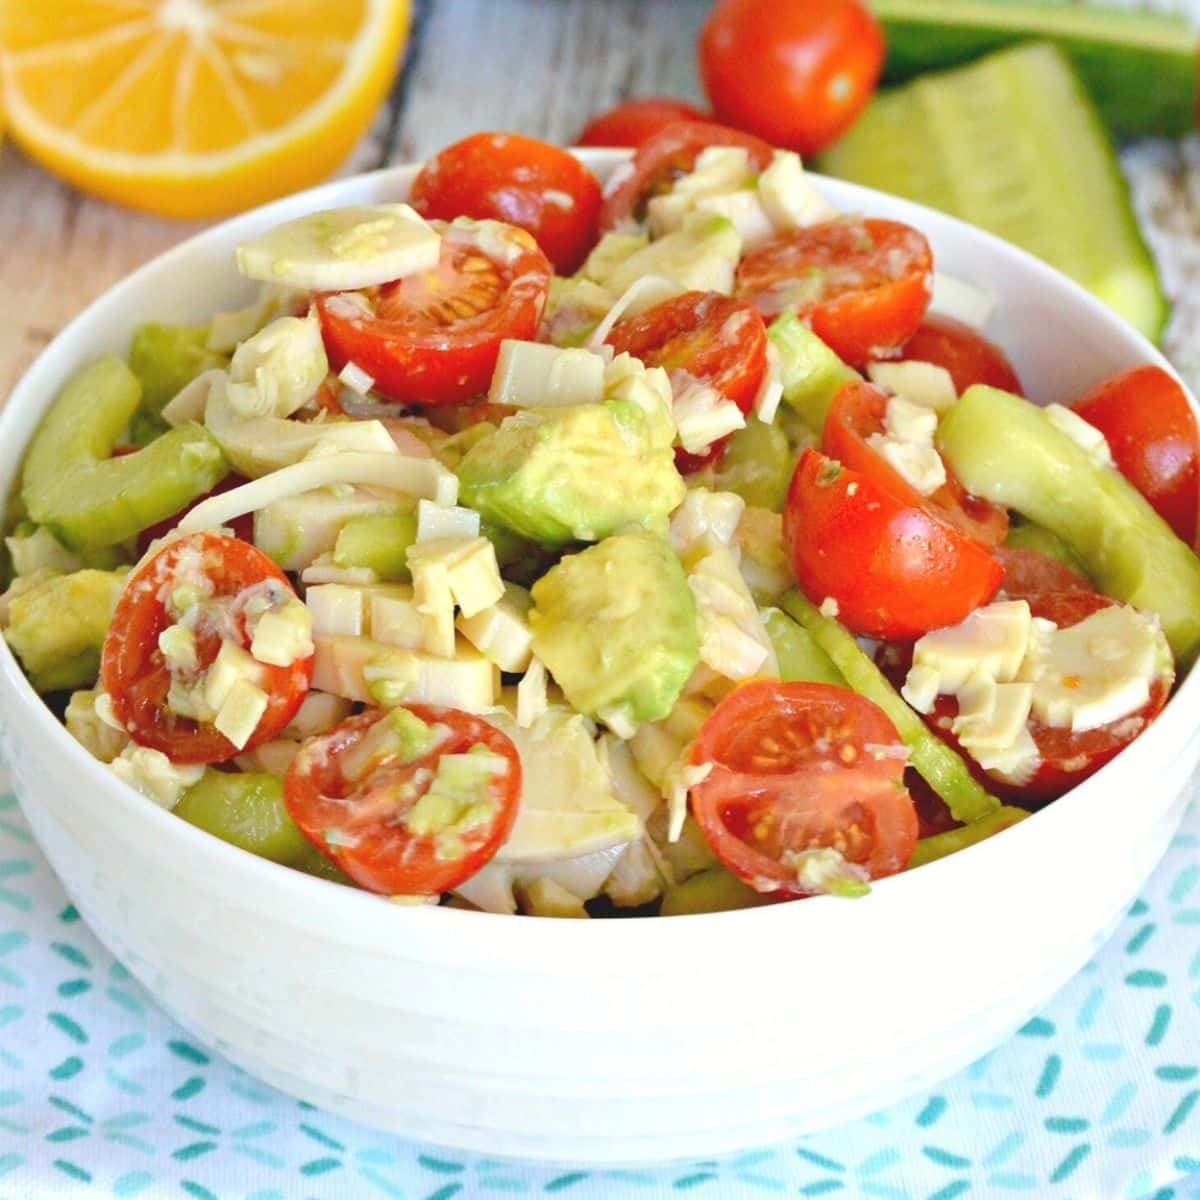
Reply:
x=856 y=413
x=243 y=526
x=664 y=159
x=135 y=674
x=895 y=569
x=1028 y=572
x=506 y=177
x=434 y=337
x=965 y=353
x=636 y=121
x=796 y=72
x=862 y=284
x=1068 y=758
x=704 y=335
x=1152 y=433
x=796 y=767
x=357 y=820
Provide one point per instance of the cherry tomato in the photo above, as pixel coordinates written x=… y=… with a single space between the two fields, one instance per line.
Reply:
x=704 y=336
x=665 y=158
x=353 y=810
x=530 y=184
x=636 y=121
x=862 y=284
x=796 y=767
x=243 y=526
x=1067 y=758
x=895 y=569
x=1151 y=431
x=856 y=413
x=796 y=72
x=135 y=674
x=434 y=337
x=1029 y=572
x=965 y=353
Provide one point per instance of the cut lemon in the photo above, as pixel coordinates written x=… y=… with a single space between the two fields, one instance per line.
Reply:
x=193 y=108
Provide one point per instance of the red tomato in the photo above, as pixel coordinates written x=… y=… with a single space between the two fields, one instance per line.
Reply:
x=802 y=766
x=856 y=413
x=796 y=72
x=636 y=121
x=665 y=158
x=506 y=177
x=1027 y=573
x=1067 y=758
x=434 y=337
x=966 y=354
x=353 y=810
x=135 y=674
x=705 y=336
x=1151 y=430
x=862 y=285
x=895 y=569
x=243 y=526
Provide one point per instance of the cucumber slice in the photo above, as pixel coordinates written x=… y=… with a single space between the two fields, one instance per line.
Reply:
x=1140 y=67
x=1012 y=144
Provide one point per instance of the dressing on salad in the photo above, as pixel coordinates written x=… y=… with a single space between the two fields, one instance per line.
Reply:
x=728 y=567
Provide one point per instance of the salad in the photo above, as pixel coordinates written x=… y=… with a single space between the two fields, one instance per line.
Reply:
x=539 y=548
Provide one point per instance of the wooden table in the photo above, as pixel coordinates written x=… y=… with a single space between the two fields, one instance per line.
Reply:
x=536 y=66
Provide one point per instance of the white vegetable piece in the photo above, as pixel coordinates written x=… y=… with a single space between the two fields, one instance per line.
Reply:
x=188 y=404
x=1085 y=435
x=788 y=198
x=472 y=573
x=318 y=712
x=533 y=375
x=434 y=604
x=701 y=513
x=992 y=639
x=770 y=391
x=434 y=522
x=231 y=666
x=703 y=415
x=501 y=632
x=154 y=775
x=907 y=444
x=283 y=635
x=356 y=379
x=279 y=369
x=97 y=737
x=342 y=249
x=227 y=330
x=919 y=382
x=531 y=693
x=963 y=301
x=394 y=618
x=640 y=295
x=370 y=672
x=239 y=715
x=568 y=807
x=416 y=476
x=718 y=171
x=40 y=550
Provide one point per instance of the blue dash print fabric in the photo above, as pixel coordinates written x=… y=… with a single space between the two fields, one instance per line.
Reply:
x=1097 y=1098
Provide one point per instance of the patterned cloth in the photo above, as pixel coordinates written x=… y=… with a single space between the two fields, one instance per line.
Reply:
x=102 y=1095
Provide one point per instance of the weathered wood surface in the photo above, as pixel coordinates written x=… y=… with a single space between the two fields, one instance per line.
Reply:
x=537 y=66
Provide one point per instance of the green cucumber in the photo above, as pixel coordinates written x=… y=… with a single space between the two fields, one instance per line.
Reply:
x=90 y=500
x=166 y=358
x=380 y=542
x=930 y=849
x=1140 y=67
x=940 y=767
x=1013 y=144
x=1029 y=536
x=801 y=660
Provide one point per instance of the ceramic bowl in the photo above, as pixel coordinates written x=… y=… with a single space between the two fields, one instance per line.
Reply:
x=598 y=1042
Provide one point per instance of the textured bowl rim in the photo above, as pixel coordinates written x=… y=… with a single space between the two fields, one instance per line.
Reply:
x=543 y=940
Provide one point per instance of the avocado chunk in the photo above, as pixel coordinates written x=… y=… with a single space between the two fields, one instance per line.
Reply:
x=616 y=627
x=573 y=474
x=700 y=257
x=1006 y=450
x=166 y=358
x=58 y=624
x=90 y=500
x=247 y=811
x=812 y=373
x=715 y=890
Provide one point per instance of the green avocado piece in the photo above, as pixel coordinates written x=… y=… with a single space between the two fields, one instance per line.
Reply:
x=812 y=373
x=379 y=542
x=90 y=500
x=1007 y=450
x=616 y=627
x=1036 y=537
x=166 y=358
x=247 y=811
x=700 y=257
x=573 y=474
x=57 y=627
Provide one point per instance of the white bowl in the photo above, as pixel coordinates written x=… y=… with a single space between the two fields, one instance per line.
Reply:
x=607 y=1041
